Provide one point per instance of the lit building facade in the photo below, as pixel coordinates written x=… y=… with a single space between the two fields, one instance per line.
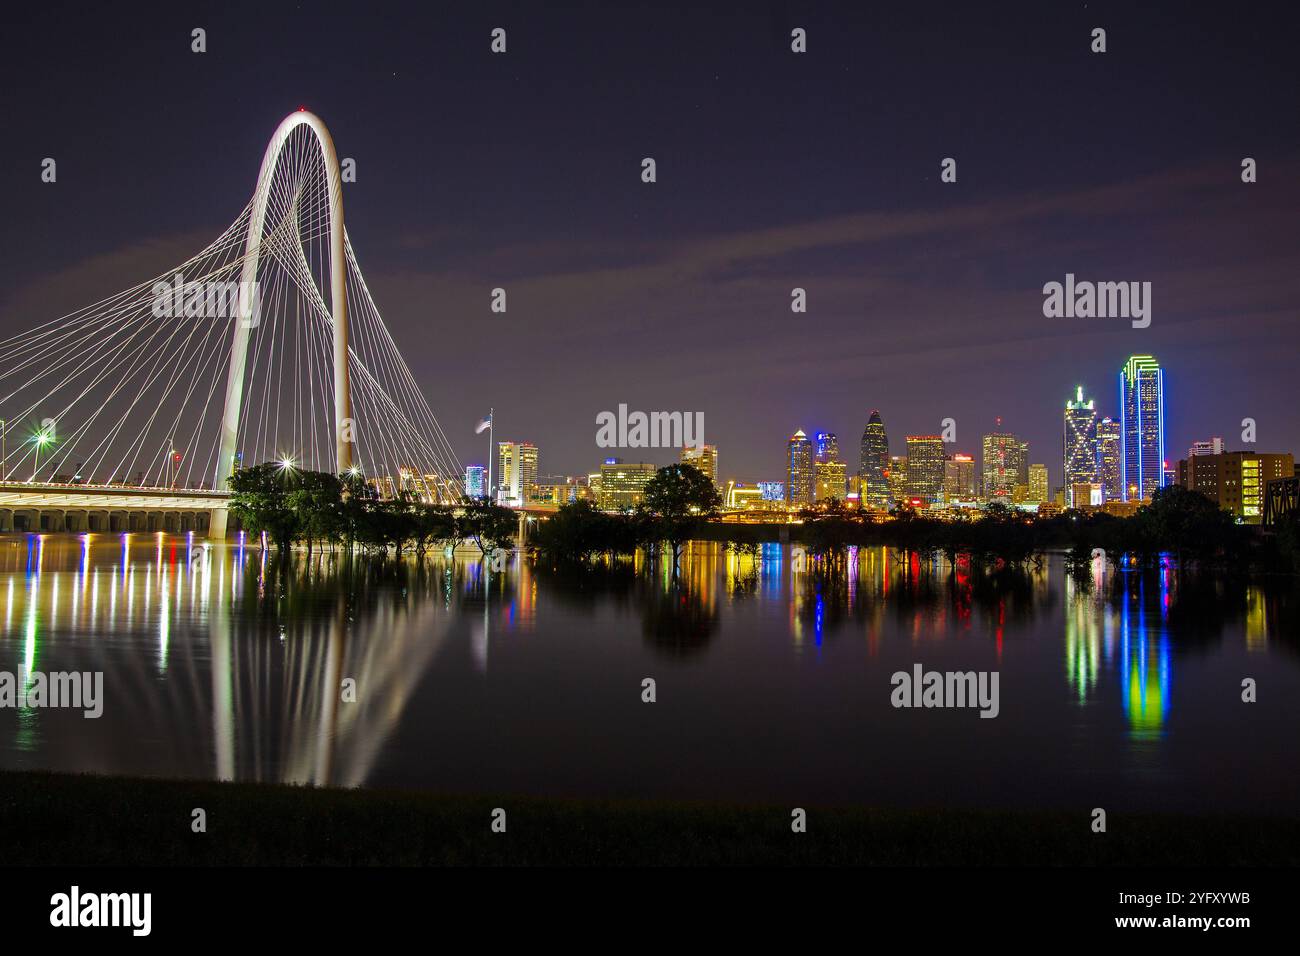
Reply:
x=1079 y=443
x=475 y=479
x=873 y=468
x=896 y=477
x=705 y=458
x=925 y=467
x=1236 y=480
x=517 y=473
x=622 y=484
x=1038 y=489
x=1142 y=427
x=1005 y=465
x=1110 y=446
x=959 y=478
x=800 y=477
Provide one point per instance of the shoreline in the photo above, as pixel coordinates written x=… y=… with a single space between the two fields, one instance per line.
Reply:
x=80 y=819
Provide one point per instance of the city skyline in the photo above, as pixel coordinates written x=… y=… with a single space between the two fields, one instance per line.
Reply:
x=677 y=294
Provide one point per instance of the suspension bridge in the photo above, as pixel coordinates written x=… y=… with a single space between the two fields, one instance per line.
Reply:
x=131 y=414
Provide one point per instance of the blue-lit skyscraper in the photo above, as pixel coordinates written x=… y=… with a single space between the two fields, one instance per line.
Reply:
x=1142 y=427
x=475 y=481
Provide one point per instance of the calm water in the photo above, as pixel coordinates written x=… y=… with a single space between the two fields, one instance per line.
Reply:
x=221 y=663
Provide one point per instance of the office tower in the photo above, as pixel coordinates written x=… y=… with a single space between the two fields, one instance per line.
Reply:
x=705 y=458
x=924 y=466
x=1079 y=443
x=830 y=479
x=826 y=446
x=959 y=478
x=517 y=472
x=475 y=477
x=829 y=472
x=874 y=463
x=772 y=490
x=1038 y=484
x=800 y=483
x=1142 y=426
x=1006 y=465
x=1236 y=480
x=622 y=484
x=896 y=478
x=1210 y=446
x=1109 y=448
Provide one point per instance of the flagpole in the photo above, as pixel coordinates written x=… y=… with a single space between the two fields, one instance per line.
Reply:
x=491 y=489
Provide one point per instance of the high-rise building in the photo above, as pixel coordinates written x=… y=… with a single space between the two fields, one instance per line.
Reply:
x=896 y=478
x=1006 y=465
x=1079 y=443
x=925 y=468
x=874 y=463
x=1236 y=480
x=1110 y=446
x=1038 y=492
x=475 y=478
x=830 y=479
x=959 y=478
x=1142 y=425
x=800 y=478
x=705 y=458
x=517 y=472
x=829 y=471
x=622 y=484
x=772 y=490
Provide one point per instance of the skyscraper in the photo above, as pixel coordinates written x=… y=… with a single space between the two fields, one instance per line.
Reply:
x=705 y=458
x=1079 y=443
x=622 y=484
x=827 y=446
x=475 y=477
x=874 y=467
x=799 y=474
x=896 y=478
x=1038 y=484
x=1142 y=426
x=959 y=478
x=517 y=471
x=1109 y=448
x=1005 y=465
x=924 y=466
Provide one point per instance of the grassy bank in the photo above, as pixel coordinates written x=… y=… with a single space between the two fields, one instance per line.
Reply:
x=62 y=819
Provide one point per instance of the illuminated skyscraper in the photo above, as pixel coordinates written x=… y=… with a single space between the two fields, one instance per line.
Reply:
x=1109 y=448
x=800 y=481
x=924 y=466
x=826 y=446
x=517 y=471
x=1142 y=426
x=896 y=478
x=475 y=478
x=1006 y=465
x=959 y=478
x=1038 y=484
x=874 y=463
x=705 y=458
x=1079 y=443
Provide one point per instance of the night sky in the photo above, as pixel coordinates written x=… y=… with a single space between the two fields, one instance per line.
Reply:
x=775 y=170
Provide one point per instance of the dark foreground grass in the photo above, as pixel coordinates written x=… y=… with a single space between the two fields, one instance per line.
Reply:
x=59 y=819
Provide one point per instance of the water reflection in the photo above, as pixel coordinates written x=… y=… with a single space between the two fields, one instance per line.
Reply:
x=227 y=662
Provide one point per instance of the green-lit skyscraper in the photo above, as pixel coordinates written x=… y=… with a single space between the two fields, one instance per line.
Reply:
x=1142 y=427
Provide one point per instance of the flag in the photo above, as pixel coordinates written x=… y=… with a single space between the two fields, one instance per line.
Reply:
x=484 y=425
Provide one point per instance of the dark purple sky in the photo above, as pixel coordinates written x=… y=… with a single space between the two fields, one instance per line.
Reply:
x=775 y=170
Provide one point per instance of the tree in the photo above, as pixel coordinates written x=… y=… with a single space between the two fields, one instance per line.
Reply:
x=261 y=501
x=678 y=500
x=490 y=526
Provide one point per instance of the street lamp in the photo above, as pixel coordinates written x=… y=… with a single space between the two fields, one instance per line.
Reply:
x=41 y=439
